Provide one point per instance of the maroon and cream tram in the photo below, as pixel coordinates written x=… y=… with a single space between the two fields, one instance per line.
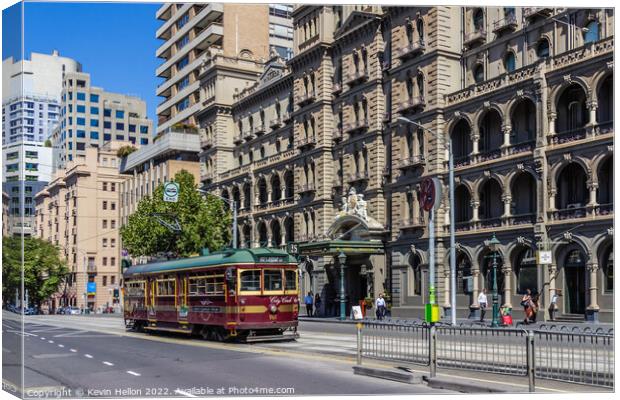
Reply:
x=246 y=294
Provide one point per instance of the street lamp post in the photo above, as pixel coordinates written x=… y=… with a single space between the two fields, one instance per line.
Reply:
x=452 y=220
x=342 y=258
x=494 y=246
x=233 y=206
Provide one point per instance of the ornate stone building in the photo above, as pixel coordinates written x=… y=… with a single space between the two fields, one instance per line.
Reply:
x=524 y=94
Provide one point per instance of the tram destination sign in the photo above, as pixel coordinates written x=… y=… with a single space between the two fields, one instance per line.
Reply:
x=171 y=192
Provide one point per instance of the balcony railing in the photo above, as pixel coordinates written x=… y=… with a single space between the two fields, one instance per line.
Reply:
x=477 y=36
x=275 y=123
x=412 y=162
x=463 y=226
x=489 y=155
x=604 y=209
x=411 y=49
x=522 y=219
x=306 y=99
x=462 y=161
x=414 y=103
x=357 y=177
x=508 y=23
x=531 y=13
x=522 y=147
x=486 y=223
x=306 y=142
x=572 y=212
x=356 y=126
x=356 y=77
x=568 y=136
x=306 y=188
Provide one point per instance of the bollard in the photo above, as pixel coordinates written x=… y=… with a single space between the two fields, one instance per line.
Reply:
x=432 y=353
x=359 y=343
x=531 y=367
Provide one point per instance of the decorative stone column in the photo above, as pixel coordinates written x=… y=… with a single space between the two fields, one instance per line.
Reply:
x=446 y=289
x=593 y=307
x=553 y=271
x=552 y=118
x=283 y=237
x=475 y=307
x=592 y=187
x=507 y=129
x=507 y=271
x=475 y=203
x=475 y=140
x=283 y=190
x=269 y=190
x=552 y=193
x=507 y=200
x=592 y=107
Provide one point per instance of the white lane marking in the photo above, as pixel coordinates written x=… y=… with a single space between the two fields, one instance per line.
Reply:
x=108 y=363
x=88 y=356
x=42 y=338
x=50 y=341
x=73 y=350
x=133 y=373
x=61 y=345
x=178 y=391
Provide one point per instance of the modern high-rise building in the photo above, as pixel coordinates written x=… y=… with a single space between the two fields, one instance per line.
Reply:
x=190 y=29
x=31 y=93
x=91 y=117
x=524 y=95
x=79 y=211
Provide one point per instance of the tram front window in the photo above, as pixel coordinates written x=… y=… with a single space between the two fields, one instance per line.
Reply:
x=291 y=280
x=250 y=280
x=273 y=280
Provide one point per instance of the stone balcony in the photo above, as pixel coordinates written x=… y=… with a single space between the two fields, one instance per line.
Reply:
x=476 y=37
x=336 y=88
x=506 y=24
x=356 y=77
x=259 y=130
x=356 y=126
x=306 y=143
x=338 y=135
x=410 y=224
x=305 y=189
x=275 y=123
x=533 y=13
x=275 y=205
x=238 y=139
x=412 y=162
x=411 y=50
x=414 y=103
x=249 y=134
x=357 y=177
x=207 y=143
x=306 y=99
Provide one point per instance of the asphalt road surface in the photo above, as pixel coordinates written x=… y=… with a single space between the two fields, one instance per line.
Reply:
x=88 y=357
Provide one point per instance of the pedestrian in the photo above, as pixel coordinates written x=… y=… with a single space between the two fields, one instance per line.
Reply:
x=308 y=301
x=380 y=304
x=526 y=304
x=534 y=305
x=553 y=307
x=482 y=301
x=317 y=305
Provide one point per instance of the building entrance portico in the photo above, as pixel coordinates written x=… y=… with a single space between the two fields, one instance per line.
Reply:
x=357 y=236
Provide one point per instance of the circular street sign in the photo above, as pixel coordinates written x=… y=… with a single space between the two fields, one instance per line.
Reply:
x=427 y=194
x=171 y=192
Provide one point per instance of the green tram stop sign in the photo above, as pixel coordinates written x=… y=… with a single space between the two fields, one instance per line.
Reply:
x=171 y=192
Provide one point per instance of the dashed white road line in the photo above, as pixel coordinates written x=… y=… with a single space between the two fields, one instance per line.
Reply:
x=73 y=350
x=50 y=341
x=42 y=338
x=88 y=356
x=186 y=394
x=133 y=373
x=108 y=363
x=61 y=345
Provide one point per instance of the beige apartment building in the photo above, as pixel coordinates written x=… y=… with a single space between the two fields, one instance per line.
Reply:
x=91 y=117
x=150 y=166
x=189 y=30
x=79 y=211
x=319 y=157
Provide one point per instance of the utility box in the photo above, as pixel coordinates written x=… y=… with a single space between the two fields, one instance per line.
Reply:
x=431 y=313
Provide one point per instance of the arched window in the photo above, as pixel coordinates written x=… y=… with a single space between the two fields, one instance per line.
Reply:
x=240 y=160
x=526 y=270
x=542 y=49
x=478 y=73
x=509 y=62
x=420 y=28
x=608 y=269
x=409 y=29
x=592 y=34
x=416 y=275
x=262 y=152
x=420 y=84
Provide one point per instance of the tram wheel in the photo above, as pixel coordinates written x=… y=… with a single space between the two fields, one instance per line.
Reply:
x=221 y=335
x=205 y=333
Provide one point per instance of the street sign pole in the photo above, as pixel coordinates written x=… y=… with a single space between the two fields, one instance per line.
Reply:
x=431 y=190
x=452 y=240
x=431 y=250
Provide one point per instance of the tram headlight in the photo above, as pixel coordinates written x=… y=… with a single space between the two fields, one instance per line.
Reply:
x=273 y=309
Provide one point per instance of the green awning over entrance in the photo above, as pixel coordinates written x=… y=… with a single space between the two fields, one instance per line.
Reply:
x=334 y=247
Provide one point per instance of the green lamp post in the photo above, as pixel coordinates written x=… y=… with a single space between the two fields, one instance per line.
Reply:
x=343 y=313
x=493 y=245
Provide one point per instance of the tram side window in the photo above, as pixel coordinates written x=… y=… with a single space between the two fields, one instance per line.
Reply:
x=165 y=288
x=273 y=280
x=250 y=280
x=206 y=285
x=135 y=289
x=290 y=282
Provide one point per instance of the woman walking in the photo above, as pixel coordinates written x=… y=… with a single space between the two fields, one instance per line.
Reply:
x=526 y=302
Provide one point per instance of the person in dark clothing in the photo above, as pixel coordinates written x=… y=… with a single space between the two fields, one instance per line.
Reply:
x=317 y=305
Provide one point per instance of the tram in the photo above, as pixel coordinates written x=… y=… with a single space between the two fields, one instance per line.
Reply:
x=237 y=294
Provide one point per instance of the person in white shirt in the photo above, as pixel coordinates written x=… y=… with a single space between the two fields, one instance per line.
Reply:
x=553 y=306
x=380 y=304
x=482 y=301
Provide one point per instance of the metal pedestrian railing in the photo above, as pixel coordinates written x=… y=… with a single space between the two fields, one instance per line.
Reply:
x=576 y=357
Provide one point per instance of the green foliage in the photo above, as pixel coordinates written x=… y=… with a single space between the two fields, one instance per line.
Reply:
x=48 y=143
x=187 y=128
x=124 y=151
x=43 y=269
x=204 y=222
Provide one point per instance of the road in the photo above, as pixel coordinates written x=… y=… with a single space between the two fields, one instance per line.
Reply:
x=95 y=357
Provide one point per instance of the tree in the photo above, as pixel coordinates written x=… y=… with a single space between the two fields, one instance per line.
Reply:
x=43 y=269
x=203 y=222
x=124 y=151
x=48 y=143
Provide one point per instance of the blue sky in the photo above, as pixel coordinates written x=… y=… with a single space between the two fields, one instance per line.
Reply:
x=115 y=43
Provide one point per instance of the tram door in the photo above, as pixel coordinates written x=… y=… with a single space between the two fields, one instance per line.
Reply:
x=182 y=309
x=231 y=295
